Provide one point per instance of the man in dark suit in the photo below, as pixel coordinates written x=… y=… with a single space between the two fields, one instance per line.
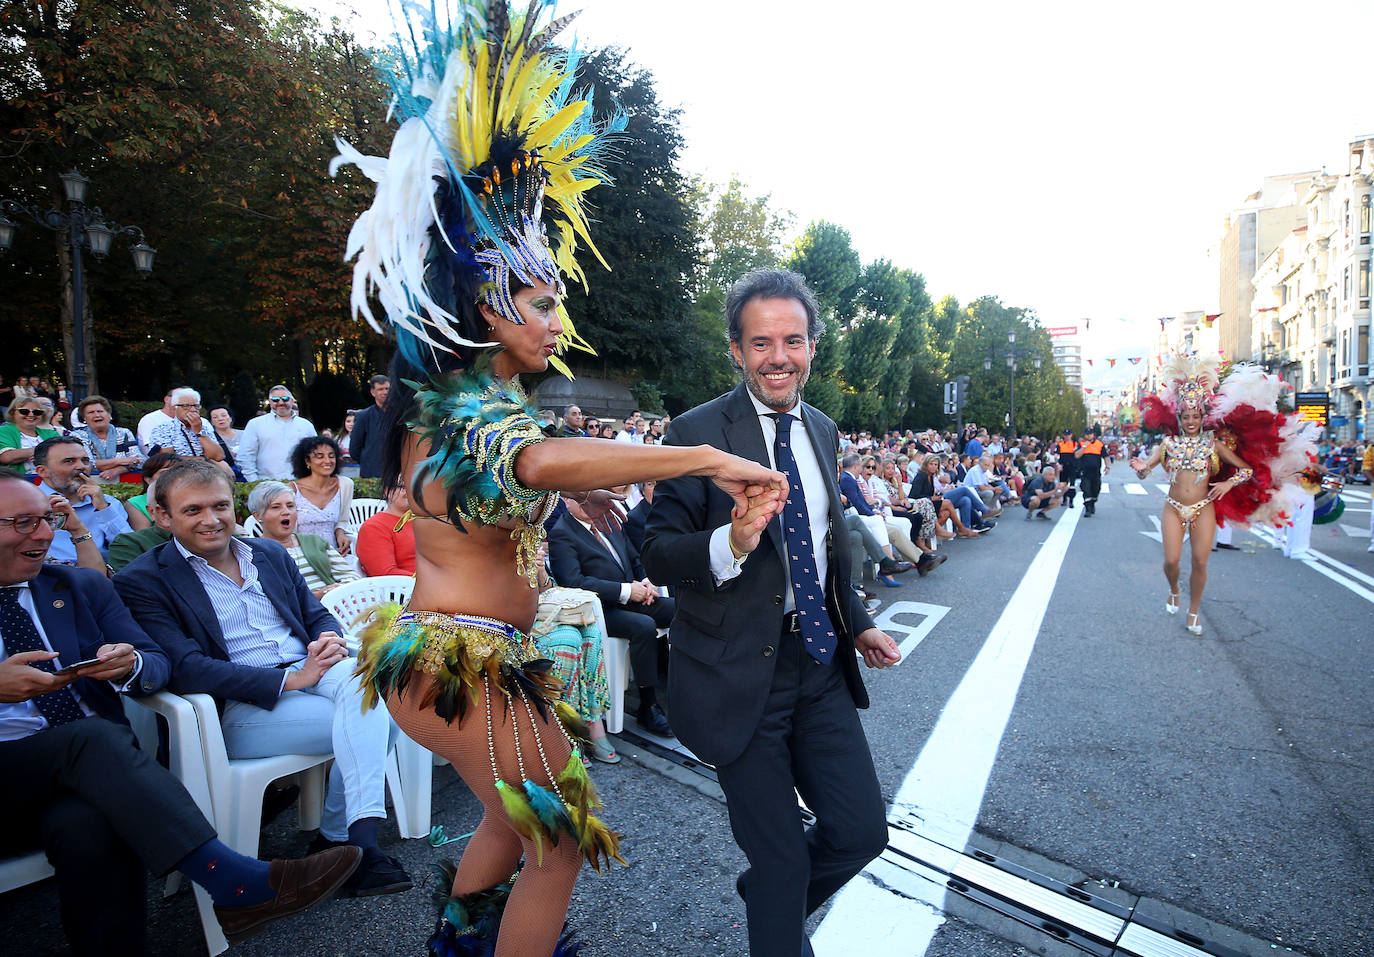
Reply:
x=764 y=681
x=238 y=622
x=76 y=784
x=366 y=440
x=582 y=556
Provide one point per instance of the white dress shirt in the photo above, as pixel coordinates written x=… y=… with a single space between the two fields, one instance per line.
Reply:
x=723 y=564
x=266 y=443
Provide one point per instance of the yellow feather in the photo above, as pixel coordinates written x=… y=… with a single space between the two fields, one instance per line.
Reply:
x=554 y=126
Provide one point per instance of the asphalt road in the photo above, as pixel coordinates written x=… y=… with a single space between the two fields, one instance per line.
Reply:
x=1219 y=783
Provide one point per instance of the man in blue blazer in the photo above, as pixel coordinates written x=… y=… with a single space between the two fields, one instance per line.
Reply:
x=75 y=783
x=764 y=679
x=238 y=622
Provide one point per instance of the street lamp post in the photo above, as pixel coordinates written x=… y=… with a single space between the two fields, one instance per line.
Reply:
x=79 y=227
x=1012 y=354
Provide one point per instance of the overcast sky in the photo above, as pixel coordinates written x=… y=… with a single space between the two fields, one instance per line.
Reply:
x=1075 y=158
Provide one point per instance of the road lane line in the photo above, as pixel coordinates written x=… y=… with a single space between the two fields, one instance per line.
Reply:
x=1135 y=488
x=944 y=789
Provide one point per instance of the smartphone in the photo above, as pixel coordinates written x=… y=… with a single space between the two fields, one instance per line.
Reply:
x=78 y=666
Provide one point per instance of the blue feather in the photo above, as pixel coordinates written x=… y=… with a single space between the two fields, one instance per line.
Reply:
x=550 y=810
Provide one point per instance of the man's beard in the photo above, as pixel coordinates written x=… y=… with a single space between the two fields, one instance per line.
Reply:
x=72 y=485
x=754 y=382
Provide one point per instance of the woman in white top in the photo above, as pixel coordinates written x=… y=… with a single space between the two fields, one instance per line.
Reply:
x=223 y=421
x=898 y=529
x=345 y=435
x=322 y=494
x=273 y=504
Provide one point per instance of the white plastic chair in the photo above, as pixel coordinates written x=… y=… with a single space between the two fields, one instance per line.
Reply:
x=252 y=527
x=359 y=511
x=23 y=869
x=409 y=767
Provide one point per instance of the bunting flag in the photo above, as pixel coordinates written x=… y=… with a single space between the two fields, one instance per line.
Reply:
x=1133 y=360
x=1090 y=362
x=1268 y=309
x=1211 y=318
x=1087 y=324
x=1112 y=363
x=1087 y=391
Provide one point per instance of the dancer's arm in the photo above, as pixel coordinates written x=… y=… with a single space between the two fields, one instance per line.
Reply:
x=1243 y=471
x=1144 y=469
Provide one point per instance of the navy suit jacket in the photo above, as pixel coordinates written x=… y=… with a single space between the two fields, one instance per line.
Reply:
x=80 y=612
x=724 y=638
x=578 y=560
x=849 y=488
x=168 y=600
x=367 y=441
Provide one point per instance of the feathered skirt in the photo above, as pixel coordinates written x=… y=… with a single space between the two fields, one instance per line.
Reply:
x=472 y=660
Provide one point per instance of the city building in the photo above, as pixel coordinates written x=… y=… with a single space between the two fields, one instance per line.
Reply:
x=1069 y=357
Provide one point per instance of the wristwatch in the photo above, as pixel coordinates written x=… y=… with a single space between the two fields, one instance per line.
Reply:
x=77 y=540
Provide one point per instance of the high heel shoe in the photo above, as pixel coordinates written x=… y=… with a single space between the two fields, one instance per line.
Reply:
x=1194 y=625
x=1171 y=606
x=889 y=582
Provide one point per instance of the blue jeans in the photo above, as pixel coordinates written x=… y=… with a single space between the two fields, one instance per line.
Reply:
x=325 y=717
x=966 y=500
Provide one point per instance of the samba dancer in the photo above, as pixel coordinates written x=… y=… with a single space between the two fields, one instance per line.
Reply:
x=478 y=212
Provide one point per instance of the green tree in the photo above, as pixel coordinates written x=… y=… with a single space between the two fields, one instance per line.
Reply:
x=827 y=259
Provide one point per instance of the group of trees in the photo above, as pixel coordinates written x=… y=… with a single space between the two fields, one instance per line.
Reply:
x=211 y=126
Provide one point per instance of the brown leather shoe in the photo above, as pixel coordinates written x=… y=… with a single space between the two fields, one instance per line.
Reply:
x=300 y=885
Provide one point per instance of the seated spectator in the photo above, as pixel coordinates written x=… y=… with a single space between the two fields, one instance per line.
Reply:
x=55 y=417
x=188 y=434
x=923 y=487
x=103 y=810
x=237 y=621
x=26 y=428
x=572 y=423
x=583 y=557
x=6 y=393
x=1042 y=493
x=22 y=389
x=163 y=416
x=113 y=450
x=852 y=494
x=136 y=507
x=919 y=512
x=64 y=466
x=970 y=506
x=566 y=631
x=382 y=547
x=319 y=562
x=899 y=528
x=977 y=477
x=322 y=494
x=860 y=537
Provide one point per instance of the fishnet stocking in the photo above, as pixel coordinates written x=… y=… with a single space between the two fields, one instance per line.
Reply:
x=538 y=904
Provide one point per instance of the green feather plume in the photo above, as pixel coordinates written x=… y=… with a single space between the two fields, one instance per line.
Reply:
x=550 y=810
x=522 y=817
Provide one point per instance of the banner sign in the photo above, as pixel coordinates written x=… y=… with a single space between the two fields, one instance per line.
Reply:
x=1313 y=407
x=1055 y=331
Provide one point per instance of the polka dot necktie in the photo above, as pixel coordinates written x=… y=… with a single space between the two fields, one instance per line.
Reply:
x=20 y=635
x=807 y=592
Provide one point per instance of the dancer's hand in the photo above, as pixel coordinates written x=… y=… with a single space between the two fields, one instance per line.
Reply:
x=603 y=510
x=1219 y=489
x=735 y=476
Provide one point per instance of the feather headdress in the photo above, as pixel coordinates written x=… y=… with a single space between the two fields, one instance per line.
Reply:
x=1192 y=380
x=486 y=180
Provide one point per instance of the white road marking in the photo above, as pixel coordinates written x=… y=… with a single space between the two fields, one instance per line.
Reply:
x=915 y=634
x=1135 y=488
x=945 y=787
x=1163 y=487
x=1339 y=572
x=1157 y=535
x=1355 y=531
x=1106 y=487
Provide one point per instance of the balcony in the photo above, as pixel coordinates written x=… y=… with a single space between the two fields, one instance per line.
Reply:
x=1328 y=333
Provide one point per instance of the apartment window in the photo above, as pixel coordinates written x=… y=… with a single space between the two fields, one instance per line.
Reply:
x=1362 y=355
x=1366 y=217
x=1343 y=355
x=1347 y=284
x=1364 y=283
x=1347 y=219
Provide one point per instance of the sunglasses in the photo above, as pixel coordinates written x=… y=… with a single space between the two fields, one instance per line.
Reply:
x=30 y=411
x=279 y=400
x=25 y=524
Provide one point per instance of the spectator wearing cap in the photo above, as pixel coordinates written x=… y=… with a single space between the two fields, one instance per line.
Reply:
x=268 y=440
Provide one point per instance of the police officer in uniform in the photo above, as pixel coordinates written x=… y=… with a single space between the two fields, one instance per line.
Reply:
x=1088 y=458
x=1068 y=465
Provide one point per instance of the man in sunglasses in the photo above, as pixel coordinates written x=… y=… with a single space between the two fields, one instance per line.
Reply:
x=78 y=786
x=265 y=449
x=65 y=467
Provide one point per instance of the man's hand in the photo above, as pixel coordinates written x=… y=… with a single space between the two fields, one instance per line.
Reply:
x=191 y=418
x=116 y=663
x=91 y=488
x=603 y=510
x=747 y=524
x=642 y=593
x=20 y=681
x=73 y=525
x=878 y=650
x=735 y=476
x=322 y=654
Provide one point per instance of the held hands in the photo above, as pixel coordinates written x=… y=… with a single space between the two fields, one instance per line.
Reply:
x=747 y=523
x=643 y=592
x=322 y=654
x=878 y=650
x=735 y=476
